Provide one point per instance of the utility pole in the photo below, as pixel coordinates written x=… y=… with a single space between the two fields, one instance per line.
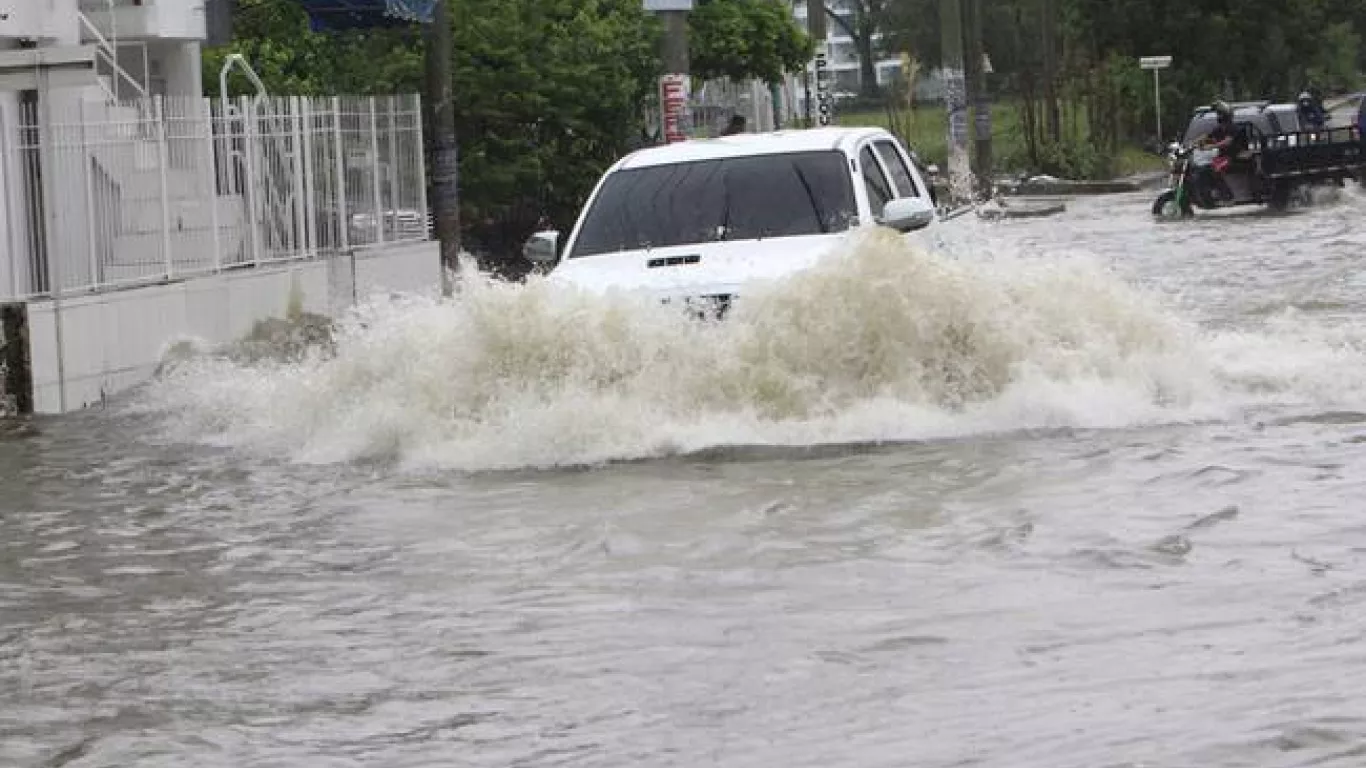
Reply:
x=676 y=57
x=443 y=156
x=955 y=98
x=977 y=91
x=675 y=84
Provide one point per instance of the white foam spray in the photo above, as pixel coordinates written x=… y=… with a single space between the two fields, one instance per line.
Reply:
x=881 y=342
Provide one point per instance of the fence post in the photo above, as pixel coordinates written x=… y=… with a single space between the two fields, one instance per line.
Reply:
x=419 y=170
x=248 y=112
x=46 y=136
x=310 y=204
x=420 y=166
x=14 y=167
x=87 y=157
x=374 y=175
x=159 y=115
x=211 y=169
x=296 y=167
x=343 y=224
x=393 y=164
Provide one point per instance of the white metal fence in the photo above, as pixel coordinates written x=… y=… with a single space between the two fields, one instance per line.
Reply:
x=713 y=102
x=113 y=194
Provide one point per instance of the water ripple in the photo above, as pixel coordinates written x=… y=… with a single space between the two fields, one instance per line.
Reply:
x=1141 y=593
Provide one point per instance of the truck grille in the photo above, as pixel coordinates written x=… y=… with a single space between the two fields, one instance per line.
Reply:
x=707 y=307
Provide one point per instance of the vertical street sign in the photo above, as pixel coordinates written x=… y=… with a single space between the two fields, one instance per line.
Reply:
x=673 y=104
x=819 y=67
x=825 y=114
x=1156 y=64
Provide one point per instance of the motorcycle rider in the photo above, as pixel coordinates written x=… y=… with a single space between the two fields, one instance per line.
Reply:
x=1311 y=112
x=1223 y=138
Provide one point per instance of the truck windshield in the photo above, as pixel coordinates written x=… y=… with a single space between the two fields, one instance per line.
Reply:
x=735 y=198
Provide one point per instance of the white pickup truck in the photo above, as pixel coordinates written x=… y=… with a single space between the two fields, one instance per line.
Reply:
x=697 y=219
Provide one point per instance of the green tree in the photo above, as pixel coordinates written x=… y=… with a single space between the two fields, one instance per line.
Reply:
x=275 y=38
x=291 y=58
x=912 y=26
x=862 y=22
x=1072 y=65
x=548 y=93
x=746 y=39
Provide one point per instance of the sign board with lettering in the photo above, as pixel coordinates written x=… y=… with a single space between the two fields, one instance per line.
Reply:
x=673 y=107
x=1156 y=64
x=825 y=103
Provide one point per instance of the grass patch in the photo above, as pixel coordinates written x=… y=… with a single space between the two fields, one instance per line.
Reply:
x=925 y=130
x=1134 y=160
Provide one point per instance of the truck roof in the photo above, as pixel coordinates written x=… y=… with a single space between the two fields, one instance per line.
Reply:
x=746 y=144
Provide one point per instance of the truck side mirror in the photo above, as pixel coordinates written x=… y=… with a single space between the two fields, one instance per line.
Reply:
x=907 y=214
x=542 y=247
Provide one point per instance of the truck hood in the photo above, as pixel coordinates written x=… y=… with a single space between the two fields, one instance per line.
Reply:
x=702 y=269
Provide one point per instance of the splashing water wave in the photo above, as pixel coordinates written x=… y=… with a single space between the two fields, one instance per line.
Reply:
x=880 y=342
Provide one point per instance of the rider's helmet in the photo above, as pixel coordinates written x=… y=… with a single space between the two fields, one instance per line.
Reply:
x=1305 y=103
x=1309 y=108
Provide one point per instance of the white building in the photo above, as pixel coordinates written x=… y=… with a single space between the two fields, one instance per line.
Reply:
x=134 y=211
x=843 y=54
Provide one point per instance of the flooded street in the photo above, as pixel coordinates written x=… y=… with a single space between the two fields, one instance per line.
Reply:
x=1077 y=492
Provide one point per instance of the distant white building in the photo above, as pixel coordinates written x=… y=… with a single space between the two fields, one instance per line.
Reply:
x=843 y=54
x=135 y=211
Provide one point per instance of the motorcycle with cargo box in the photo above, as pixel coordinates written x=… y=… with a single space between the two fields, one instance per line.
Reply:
x=1275 y=157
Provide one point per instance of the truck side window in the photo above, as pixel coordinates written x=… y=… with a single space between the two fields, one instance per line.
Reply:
x=901 y=175
x=879 y=191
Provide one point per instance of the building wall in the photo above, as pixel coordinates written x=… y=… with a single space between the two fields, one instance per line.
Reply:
x=23 y=19
x=178 y=216
x=181 y=68
x=63 y=27
x=88 y=348
x=149 y=20
x=49 y=21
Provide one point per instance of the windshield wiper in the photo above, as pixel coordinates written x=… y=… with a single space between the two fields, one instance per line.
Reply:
x=811 y=198
x=724 y=232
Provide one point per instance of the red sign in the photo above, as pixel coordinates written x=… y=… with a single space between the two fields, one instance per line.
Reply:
x=673 y=101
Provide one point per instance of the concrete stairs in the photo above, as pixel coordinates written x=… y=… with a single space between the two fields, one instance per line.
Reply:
x=129 y=206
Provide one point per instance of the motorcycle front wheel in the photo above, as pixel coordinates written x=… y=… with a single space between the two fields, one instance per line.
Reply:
x=1167 y=207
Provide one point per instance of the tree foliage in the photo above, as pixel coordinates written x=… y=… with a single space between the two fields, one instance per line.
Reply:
x=746 y=39
x=548 y=92
x=861 y=21
x=1077 y=61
